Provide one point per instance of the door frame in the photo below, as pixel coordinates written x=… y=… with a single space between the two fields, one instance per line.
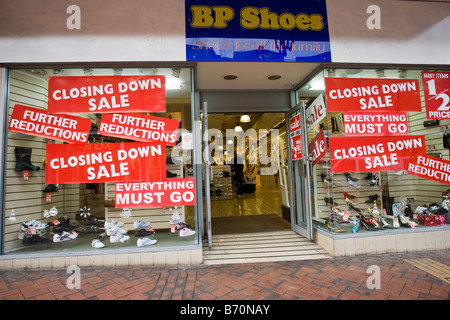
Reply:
x=303 y=180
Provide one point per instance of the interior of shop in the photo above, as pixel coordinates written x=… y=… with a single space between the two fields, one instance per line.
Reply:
x=247 y=198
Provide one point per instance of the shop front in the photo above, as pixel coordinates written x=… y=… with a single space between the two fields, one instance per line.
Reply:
x=274 y=118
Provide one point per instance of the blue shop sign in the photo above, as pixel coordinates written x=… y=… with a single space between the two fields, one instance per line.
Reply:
x=257 y=30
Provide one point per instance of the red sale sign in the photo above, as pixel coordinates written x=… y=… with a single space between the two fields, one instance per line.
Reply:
x=139 y=127
x=317 y=147
x=296 y=138
x=375 y=124
x=360 y=94
x=431 y=168
x=106 y=94
x=436 y=86
x=172 y=192
x=364 y=154
x=105 y=162
x=38 y=122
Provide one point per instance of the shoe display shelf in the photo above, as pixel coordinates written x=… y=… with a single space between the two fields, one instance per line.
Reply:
x=221 y=187
x=344 y=191
x=158 y=216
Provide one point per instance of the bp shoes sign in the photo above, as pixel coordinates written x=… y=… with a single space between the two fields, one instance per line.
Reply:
x=257 y=31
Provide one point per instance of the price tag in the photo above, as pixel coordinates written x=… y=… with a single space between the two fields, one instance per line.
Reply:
x=436 y=86
x=26 y=175
x=48 y=197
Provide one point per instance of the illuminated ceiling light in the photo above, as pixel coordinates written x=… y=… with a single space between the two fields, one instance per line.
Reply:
x=238 y=129
x=220 y=147
x=245 y=118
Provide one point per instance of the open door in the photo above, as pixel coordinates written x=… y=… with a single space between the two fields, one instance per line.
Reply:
x=207 y=175
x=299 y=172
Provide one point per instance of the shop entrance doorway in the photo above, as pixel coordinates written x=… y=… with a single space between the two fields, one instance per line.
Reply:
x=248 y=173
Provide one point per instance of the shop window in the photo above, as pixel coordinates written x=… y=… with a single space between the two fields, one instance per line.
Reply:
x=53 y=205
x=386 y=165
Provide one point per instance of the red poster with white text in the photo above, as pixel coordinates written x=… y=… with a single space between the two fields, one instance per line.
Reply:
x=431 y=168
x=38 y=122
x=105 y=162
x=171 y=192
x=139 y=127
x=106 y=94
x=436 y=86
x=375 y=123
x=317 y=148
x=365 y=154
x=368 y=94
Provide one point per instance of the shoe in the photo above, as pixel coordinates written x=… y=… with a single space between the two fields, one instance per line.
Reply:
x=118 y=237
x=369 y=176
x=365 y=223
x=91 y=229
x=327 y=180
x=330 y=201
x=51 y=188
x=113 y=223
x=146 y=242
x=144 y=232
x=170 y=174
x=186 y=232
x=375 y=181
x=34 y=224
x=384 y=223
x=23 y=160
x=182 y=225
x=65 y=236
x=350 y=182
x=350 y=202
x=92 y=220
x=141 y=224
x=372 y=198
x=97 y=244
x=349 y=177
x=175 y=219
x=351 y=207
x=33 y=239
x=116 y=230
x=346 y=195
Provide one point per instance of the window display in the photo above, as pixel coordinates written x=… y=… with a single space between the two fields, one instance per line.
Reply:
x=384 y=159
x=74 y=136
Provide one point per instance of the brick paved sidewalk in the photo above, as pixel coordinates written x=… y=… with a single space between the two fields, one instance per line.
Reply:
x=413 y=276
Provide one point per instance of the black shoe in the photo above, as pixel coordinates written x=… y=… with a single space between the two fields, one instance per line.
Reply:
x=144 y=232
x=372 y=198
x=351 y=207
x=170 y=174
x=329 y=201
x=375 y=181
x=366 y=224
x=349 y=177
x=34 y=239
x=93 y=221
x=51 y=188
x=182 y=225
x=23 y=160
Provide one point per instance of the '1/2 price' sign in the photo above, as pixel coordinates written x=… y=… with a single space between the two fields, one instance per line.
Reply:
x=436 y=86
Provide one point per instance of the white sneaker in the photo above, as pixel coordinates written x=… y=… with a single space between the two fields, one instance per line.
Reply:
x=186 y=232
x=118 y=237
x=97 y=244
x=65 y=236
x=141 y=242
x=141 y=224
x=116 y=230
x=113 y=223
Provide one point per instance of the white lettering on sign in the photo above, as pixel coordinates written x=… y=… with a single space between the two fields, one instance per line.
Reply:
x=315 y=112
